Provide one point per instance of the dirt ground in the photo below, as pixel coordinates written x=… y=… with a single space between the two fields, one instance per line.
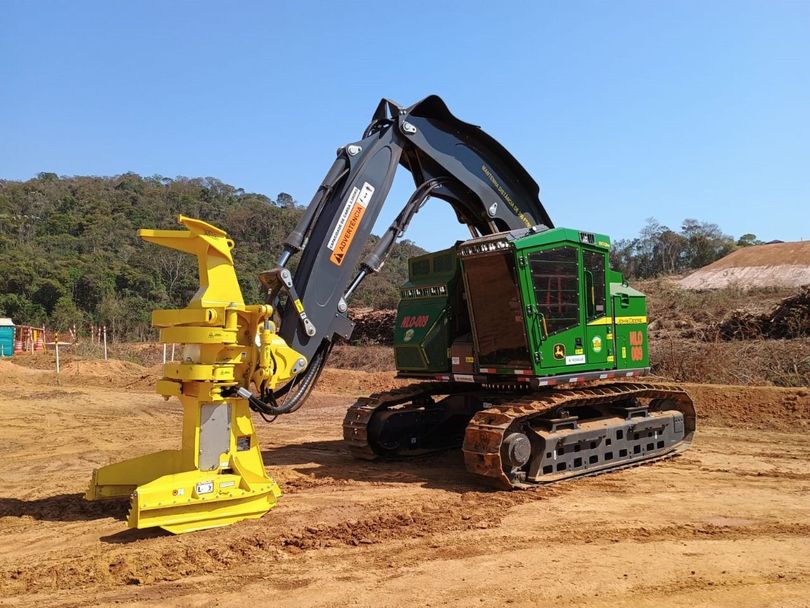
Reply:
x=725 y=524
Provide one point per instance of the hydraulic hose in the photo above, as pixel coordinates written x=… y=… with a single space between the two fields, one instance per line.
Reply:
x=268 y=404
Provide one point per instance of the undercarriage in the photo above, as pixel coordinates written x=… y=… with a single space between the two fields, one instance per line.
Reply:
x=514 y=437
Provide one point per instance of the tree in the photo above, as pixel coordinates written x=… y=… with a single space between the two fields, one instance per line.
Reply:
x=747 y=240
x=47 y=294
x=670 y=252
x=659 y=250
x=705 y=242
x=21 y=310
x=285 y=201
x=66 y=314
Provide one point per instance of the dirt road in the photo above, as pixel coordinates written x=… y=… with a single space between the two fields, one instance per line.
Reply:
x=726 y=524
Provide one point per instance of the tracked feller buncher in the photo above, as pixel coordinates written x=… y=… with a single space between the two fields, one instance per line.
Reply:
x=525 y=346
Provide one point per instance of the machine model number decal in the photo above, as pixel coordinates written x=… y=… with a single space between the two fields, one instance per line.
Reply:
x=349 y=222
x=636 y=345
x=574 y=359
x=415 y=321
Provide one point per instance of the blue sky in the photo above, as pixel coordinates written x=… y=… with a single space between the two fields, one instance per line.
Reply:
x=620 y=110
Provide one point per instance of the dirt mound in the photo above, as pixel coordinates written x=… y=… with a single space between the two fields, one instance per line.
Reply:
x=781 y=409
x=12 y=370
x=777 y=264
x=80 y=372
x=42 y=360
x=357 y=382
x=100 y=367
x=789 y=319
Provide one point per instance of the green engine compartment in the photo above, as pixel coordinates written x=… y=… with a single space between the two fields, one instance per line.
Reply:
x=425 y=323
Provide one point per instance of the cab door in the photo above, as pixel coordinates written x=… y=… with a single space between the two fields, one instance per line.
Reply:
x=554 y=308
x=599 y=346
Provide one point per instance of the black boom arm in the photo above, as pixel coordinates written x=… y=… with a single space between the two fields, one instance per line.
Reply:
x=449 y=159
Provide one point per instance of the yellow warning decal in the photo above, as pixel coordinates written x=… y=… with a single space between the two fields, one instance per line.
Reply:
x=298 y=306
x=630 y=320
x=619 y=321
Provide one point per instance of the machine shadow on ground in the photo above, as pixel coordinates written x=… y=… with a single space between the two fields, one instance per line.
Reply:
x=63 y=507
x=331 y=459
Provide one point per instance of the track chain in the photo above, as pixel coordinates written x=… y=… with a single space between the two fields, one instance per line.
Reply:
x=355 y=424
x=487 y=430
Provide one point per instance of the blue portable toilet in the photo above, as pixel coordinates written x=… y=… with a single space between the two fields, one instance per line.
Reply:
x=6 y=337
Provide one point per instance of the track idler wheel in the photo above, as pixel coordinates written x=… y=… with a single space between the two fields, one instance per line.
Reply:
x=517 y=449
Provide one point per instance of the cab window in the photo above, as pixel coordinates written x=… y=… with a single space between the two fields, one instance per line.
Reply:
x=594 y=265
x=555 y=276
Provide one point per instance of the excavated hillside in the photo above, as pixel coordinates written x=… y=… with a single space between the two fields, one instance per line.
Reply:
x=772 y=265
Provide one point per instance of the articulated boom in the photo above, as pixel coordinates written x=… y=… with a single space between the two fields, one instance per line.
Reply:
x=448 y=159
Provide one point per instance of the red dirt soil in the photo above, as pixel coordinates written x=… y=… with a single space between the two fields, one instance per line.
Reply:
x=726 y=524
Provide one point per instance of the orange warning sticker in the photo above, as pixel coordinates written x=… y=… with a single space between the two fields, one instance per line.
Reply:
x=346 y=237
x=349 y=222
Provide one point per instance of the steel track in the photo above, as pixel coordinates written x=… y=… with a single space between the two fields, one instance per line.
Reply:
x=486 y=431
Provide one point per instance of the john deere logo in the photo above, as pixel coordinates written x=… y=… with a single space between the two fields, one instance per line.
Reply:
x=559 y=351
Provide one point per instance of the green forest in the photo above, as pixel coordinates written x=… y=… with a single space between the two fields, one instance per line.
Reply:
x=659 y=250
x=69 y=253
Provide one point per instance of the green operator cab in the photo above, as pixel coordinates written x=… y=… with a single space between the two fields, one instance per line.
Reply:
x=539 y=306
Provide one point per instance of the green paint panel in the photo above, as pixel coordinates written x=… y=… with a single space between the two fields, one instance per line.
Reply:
x=421 y=330
x=632 y=348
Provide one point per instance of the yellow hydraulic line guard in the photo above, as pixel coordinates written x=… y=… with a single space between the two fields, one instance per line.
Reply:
x=217 y=477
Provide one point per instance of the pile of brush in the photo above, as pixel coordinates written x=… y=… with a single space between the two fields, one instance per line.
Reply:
x=788 y=319
x=373 y=326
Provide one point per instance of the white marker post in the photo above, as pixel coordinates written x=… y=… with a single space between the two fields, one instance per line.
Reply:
x=173 y=345
x=56 y=348
x=104 y=330
x=164 y=353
